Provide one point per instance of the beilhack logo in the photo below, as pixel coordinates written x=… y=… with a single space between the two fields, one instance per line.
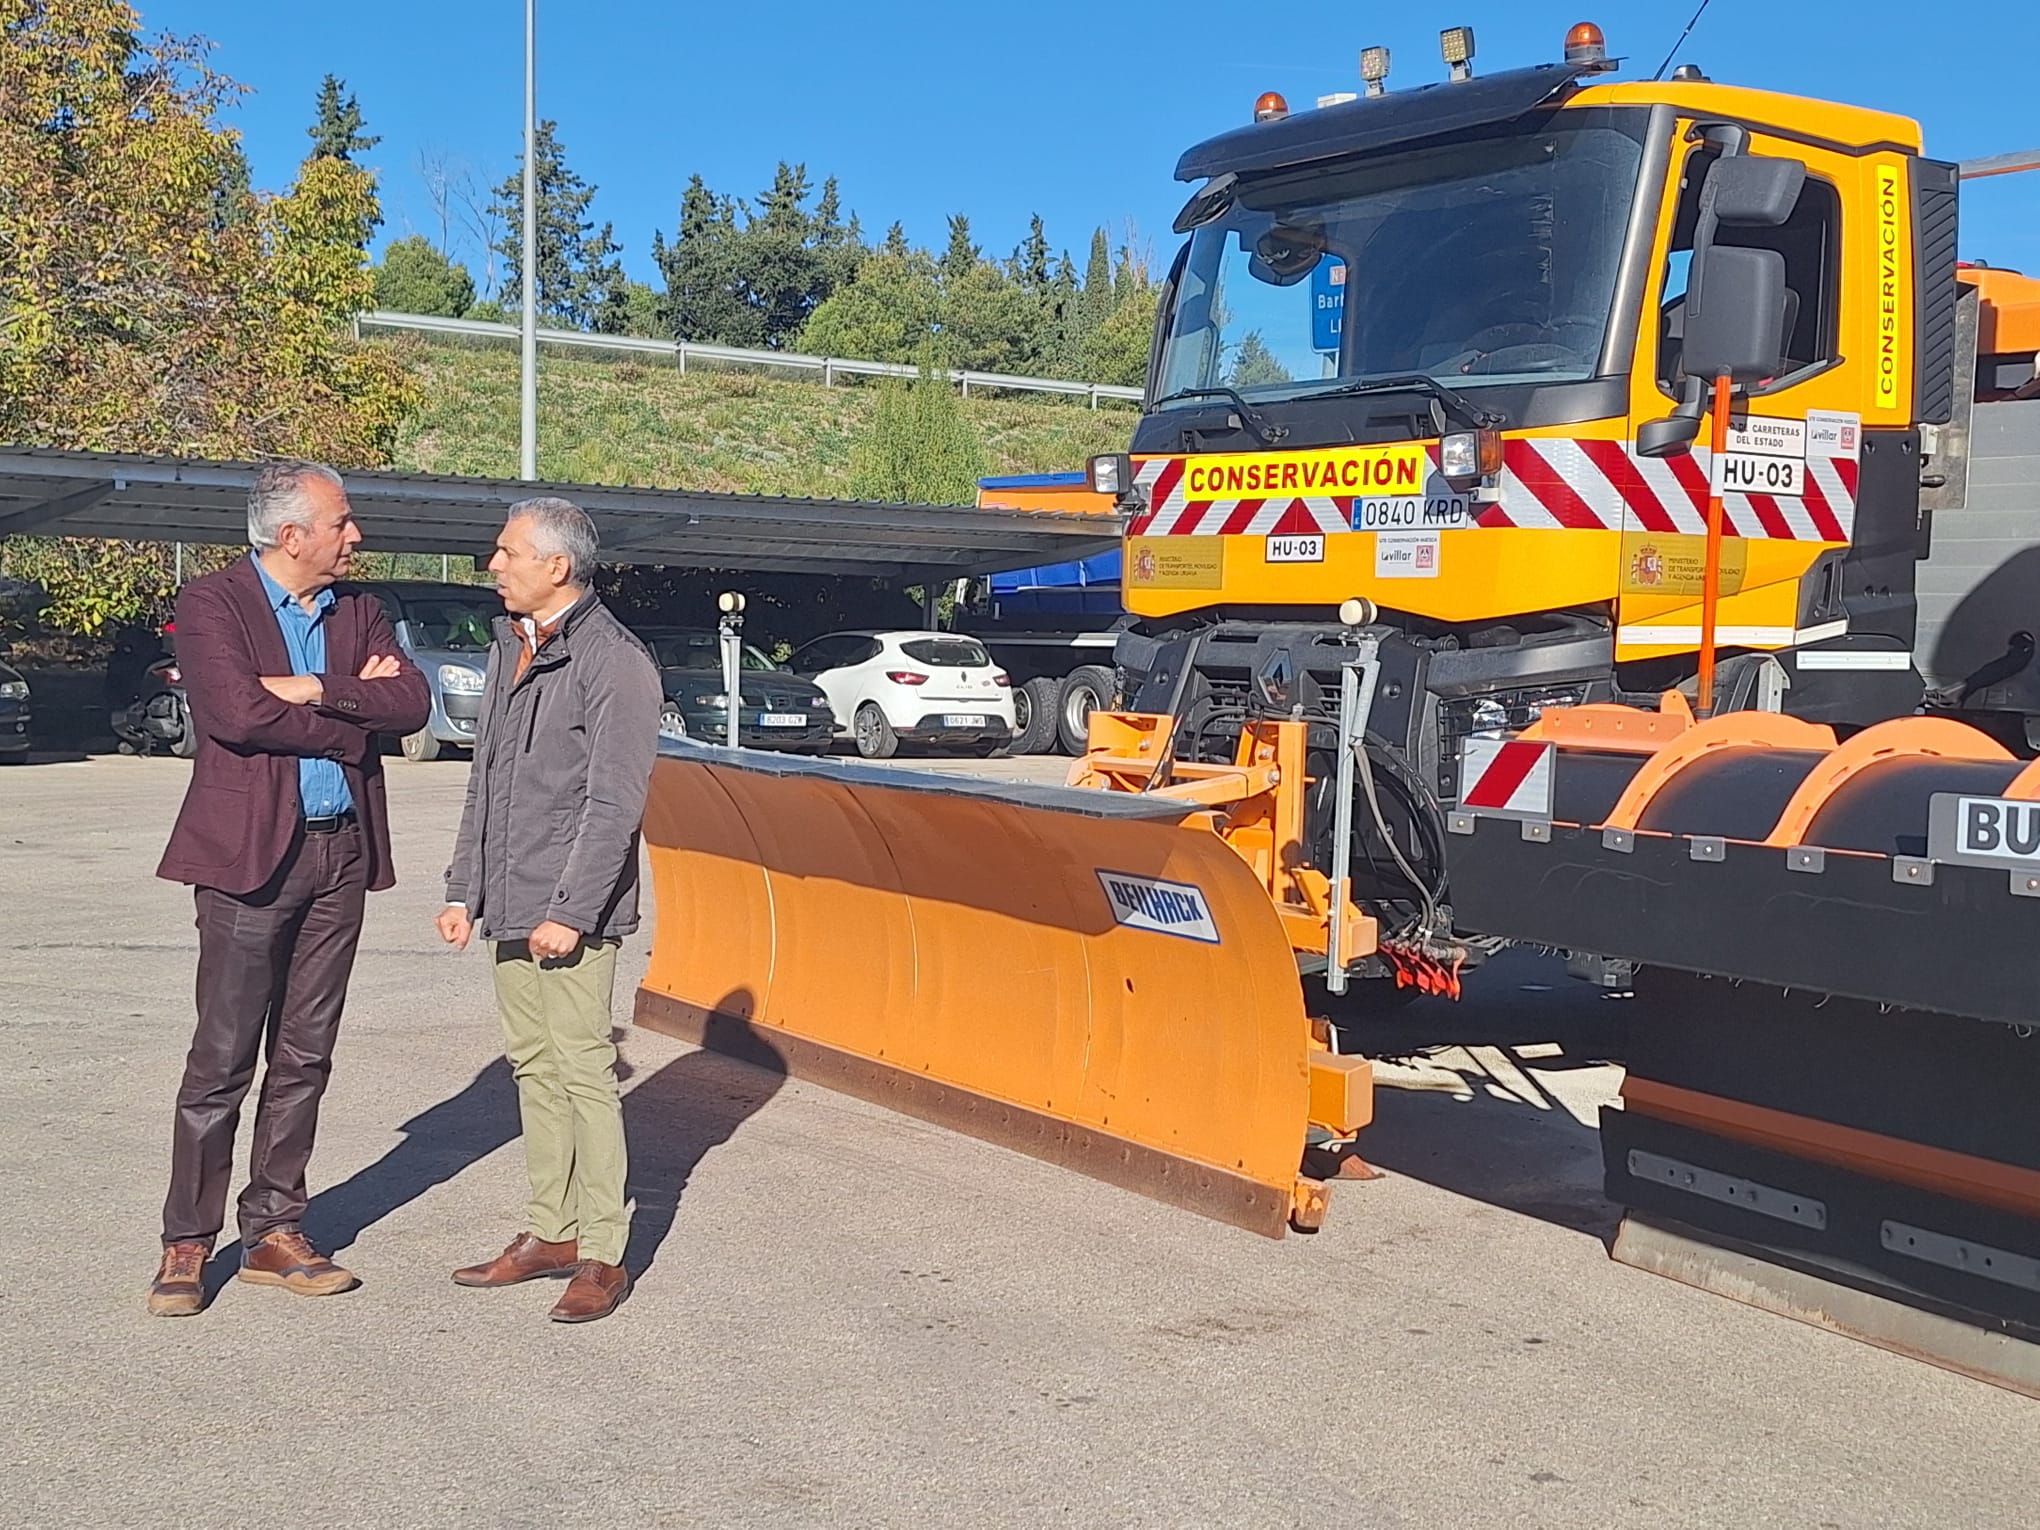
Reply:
x=1162 y=908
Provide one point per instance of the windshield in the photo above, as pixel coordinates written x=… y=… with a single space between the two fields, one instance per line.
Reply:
x=1476 y=263
x=450 y=625
x=700 y=650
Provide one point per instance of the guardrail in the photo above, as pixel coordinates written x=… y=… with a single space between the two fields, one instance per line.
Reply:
x=829 y=368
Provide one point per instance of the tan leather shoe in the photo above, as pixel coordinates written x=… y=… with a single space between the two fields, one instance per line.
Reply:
x=593 y=1293
x=527 y=1258
x=178 y=1289
x=286 y=1258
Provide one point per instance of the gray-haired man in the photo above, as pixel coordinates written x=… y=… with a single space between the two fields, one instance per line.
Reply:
x=546 y=865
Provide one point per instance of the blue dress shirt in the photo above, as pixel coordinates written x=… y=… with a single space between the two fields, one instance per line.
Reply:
x=322 y=784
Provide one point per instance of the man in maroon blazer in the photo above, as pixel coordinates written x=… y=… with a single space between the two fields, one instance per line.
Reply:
x=283 y=833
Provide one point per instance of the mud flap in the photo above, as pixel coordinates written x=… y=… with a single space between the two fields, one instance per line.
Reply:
x=1091 y=978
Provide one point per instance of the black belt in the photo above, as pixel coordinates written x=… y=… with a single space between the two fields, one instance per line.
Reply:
x=332 y=824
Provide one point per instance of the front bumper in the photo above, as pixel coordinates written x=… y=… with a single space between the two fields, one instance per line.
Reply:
x=711 y=726
x=15 y=734
x=458 y=713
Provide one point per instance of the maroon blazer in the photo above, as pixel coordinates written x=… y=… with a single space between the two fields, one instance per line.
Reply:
x=240 y=813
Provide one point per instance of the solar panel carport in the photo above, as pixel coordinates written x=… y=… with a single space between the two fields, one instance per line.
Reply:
x=172 y=499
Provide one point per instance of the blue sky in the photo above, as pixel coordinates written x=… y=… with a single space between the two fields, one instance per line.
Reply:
x=1075 y=111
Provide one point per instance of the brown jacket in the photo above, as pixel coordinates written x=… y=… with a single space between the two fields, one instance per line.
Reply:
x=240 y=813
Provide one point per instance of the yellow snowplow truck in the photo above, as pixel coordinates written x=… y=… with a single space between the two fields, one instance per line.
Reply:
x=1585 y=514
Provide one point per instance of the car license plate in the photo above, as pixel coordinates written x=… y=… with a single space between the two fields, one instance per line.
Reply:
x=783 y=720
x=963 y=720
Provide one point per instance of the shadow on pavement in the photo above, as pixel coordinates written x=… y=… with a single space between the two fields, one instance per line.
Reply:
x=672 y=1119
x=1474 y=1118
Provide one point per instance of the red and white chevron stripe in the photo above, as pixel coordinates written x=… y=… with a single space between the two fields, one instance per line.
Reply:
x=1547 y=483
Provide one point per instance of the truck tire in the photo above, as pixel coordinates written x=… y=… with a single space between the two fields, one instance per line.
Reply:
x=1034 y=710
x=1087 y=689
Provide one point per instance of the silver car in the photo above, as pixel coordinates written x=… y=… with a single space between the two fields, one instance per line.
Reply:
x=445 y=629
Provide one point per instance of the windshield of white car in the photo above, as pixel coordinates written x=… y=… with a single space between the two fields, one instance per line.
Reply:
x=1483 y=263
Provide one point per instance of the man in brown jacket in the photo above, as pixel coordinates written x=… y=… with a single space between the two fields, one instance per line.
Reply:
x=546 y=865
x=282 y=835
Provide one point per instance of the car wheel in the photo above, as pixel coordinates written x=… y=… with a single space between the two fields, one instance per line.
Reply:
x=875 y=737
x=421 y=746
x=671 y=723
x=1034 y=715
x=185 y=745
x=1088 y=689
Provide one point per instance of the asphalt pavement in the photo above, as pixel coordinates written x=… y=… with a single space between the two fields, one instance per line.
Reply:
x=848 y=1318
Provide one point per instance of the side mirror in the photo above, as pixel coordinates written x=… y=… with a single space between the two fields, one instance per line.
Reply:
x=1669 y=436
x=1752 y=191
x=1739 y=327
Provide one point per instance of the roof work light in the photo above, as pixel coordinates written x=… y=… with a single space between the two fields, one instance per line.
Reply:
x=1456 y=43
x=1374 y=69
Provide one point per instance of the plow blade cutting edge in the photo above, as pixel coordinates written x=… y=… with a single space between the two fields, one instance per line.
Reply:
x=1091 y=978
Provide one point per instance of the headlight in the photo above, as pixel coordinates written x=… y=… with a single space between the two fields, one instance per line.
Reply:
x=13 y=690
x=1470 y=454
x=460 y=680
x=717 y=700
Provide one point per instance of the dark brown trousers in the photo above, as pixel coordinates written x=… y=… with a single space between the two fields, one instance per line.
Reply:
x=272 y=977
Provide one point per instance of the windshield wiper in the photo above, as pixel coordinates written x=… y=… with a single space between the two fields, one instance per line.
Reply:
x=1416 y=382
x=1257 y=422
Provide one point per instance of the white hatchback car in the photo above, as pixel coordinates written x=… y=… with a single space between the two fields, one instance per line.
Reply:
x=887 y=688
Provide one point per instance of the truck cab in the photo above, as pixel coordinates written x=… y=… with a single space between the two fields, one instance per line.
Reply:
x=1441 y=357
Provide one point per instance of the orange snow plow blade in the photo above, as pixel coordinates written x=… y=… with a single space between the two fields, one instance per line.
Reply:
x=1092 y=978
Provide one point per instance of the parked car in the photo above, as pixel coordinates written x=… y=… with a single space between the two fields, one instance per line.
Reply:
x=933 y=688
x=15 y=737
x=445 y=629
x=779 y=709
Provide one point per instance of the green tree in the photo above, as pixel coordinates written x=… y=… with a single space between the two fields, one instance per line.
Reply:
x=704 y=299
x=919 y=448
x=896 y=241
x=1116 y=352
x=989 y=322
x=642 y=312
x=135 y=316
x=1254 y=365
x=961 y=254
x=580 y=280
x=415 y=277
x=337 y=132
x=887 y=312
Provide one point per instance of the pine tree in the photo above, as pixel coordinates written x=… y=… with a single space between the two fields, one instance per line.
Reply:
x=337 y=132
x=896 y=242
x=961 y=255
x=704 y=299
x=580 y=280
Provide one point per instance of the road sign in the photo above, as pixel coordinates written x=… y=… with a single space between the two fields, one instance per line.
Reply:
x=1327 y=305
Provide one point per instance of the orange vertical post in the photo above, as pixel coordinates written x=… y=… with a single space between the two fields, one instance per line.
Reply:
x=1710 y=579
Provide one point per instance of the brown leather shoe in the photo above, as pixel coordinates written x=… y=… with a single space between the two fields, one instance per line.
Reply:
x=178 y=1289
x=286 y=1258
x=593 y=1293
x=527 y=1258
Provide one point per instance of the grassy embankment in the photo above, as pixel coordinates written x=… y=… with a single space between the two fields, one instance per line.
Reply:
x=628 y=422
